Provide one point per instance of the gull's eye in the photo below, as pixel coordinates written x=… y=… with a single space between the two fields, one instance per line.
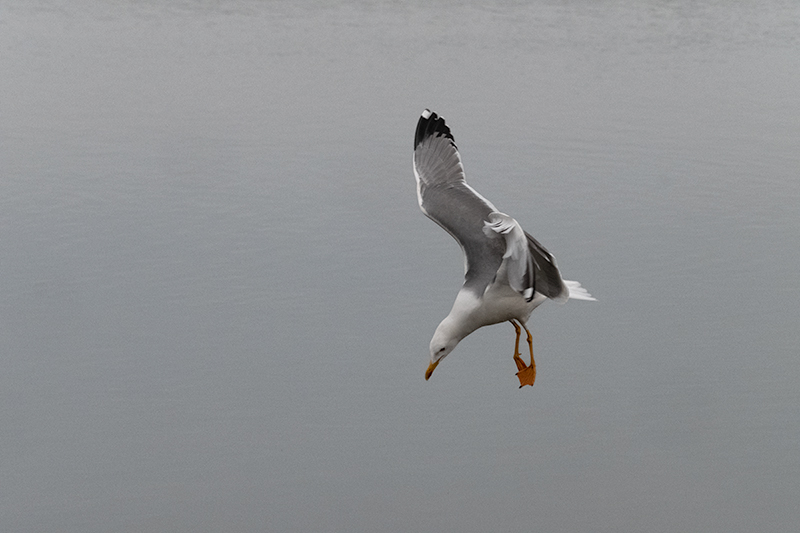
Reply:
x=440 y=350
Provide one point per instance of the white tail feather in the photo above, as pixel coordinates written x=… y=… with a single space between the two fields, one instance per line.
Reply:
x=576 y=292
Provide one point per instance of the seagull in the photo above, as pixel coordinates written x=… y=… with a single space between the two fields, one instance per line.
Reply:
x=508 y=273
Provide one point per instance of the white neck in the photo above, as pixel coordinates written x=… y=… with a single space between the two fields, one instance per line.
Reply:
x=460 y=321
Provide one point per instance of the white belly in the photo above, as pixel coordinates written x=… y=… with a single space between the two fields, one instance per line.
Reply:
x=502 y=303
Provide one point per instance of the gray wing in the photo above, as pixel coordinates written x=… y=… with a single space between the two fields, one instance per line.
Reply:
x=547 y=277
x=530 y=268
x=446 y=199
x=449 y=201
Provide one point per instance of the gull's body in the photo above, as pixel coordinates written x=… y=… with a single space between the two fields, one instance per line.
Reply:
x=507 y=272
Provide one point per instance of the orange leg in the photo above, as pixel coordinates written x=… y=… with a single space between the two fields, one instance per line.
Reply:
x=526 y=374
x=520 y=363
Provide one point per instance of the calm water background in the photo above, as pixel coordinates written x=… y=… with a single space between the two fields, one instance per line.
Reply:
x=217 y=290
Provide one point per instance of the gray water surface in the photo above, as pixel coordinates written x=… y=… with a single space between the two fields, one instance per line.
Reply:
x=217 y=289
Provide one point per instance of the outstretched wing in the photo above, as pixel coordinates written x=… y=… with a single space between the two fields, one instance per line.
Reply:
x=476 y=224
x=446 y=199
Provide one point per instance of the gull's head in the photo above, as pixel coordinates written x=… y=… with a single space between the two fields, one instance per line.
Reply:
x=442 y=343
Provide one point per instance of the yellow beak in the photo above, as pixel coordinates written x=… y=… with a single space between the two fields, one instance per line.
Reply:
x=430 y=370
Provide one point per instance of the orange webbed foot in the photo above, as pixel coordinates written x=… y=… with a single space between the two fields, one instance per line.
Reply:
x=526 y=375
x=520 y=363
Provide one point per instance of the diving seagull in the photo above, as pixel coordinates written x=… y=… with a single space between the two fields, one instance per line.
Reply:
x=508 y=273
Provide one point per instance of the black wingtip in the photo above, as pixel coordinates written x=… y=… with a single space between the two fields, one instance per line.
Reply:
x=429 y=124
